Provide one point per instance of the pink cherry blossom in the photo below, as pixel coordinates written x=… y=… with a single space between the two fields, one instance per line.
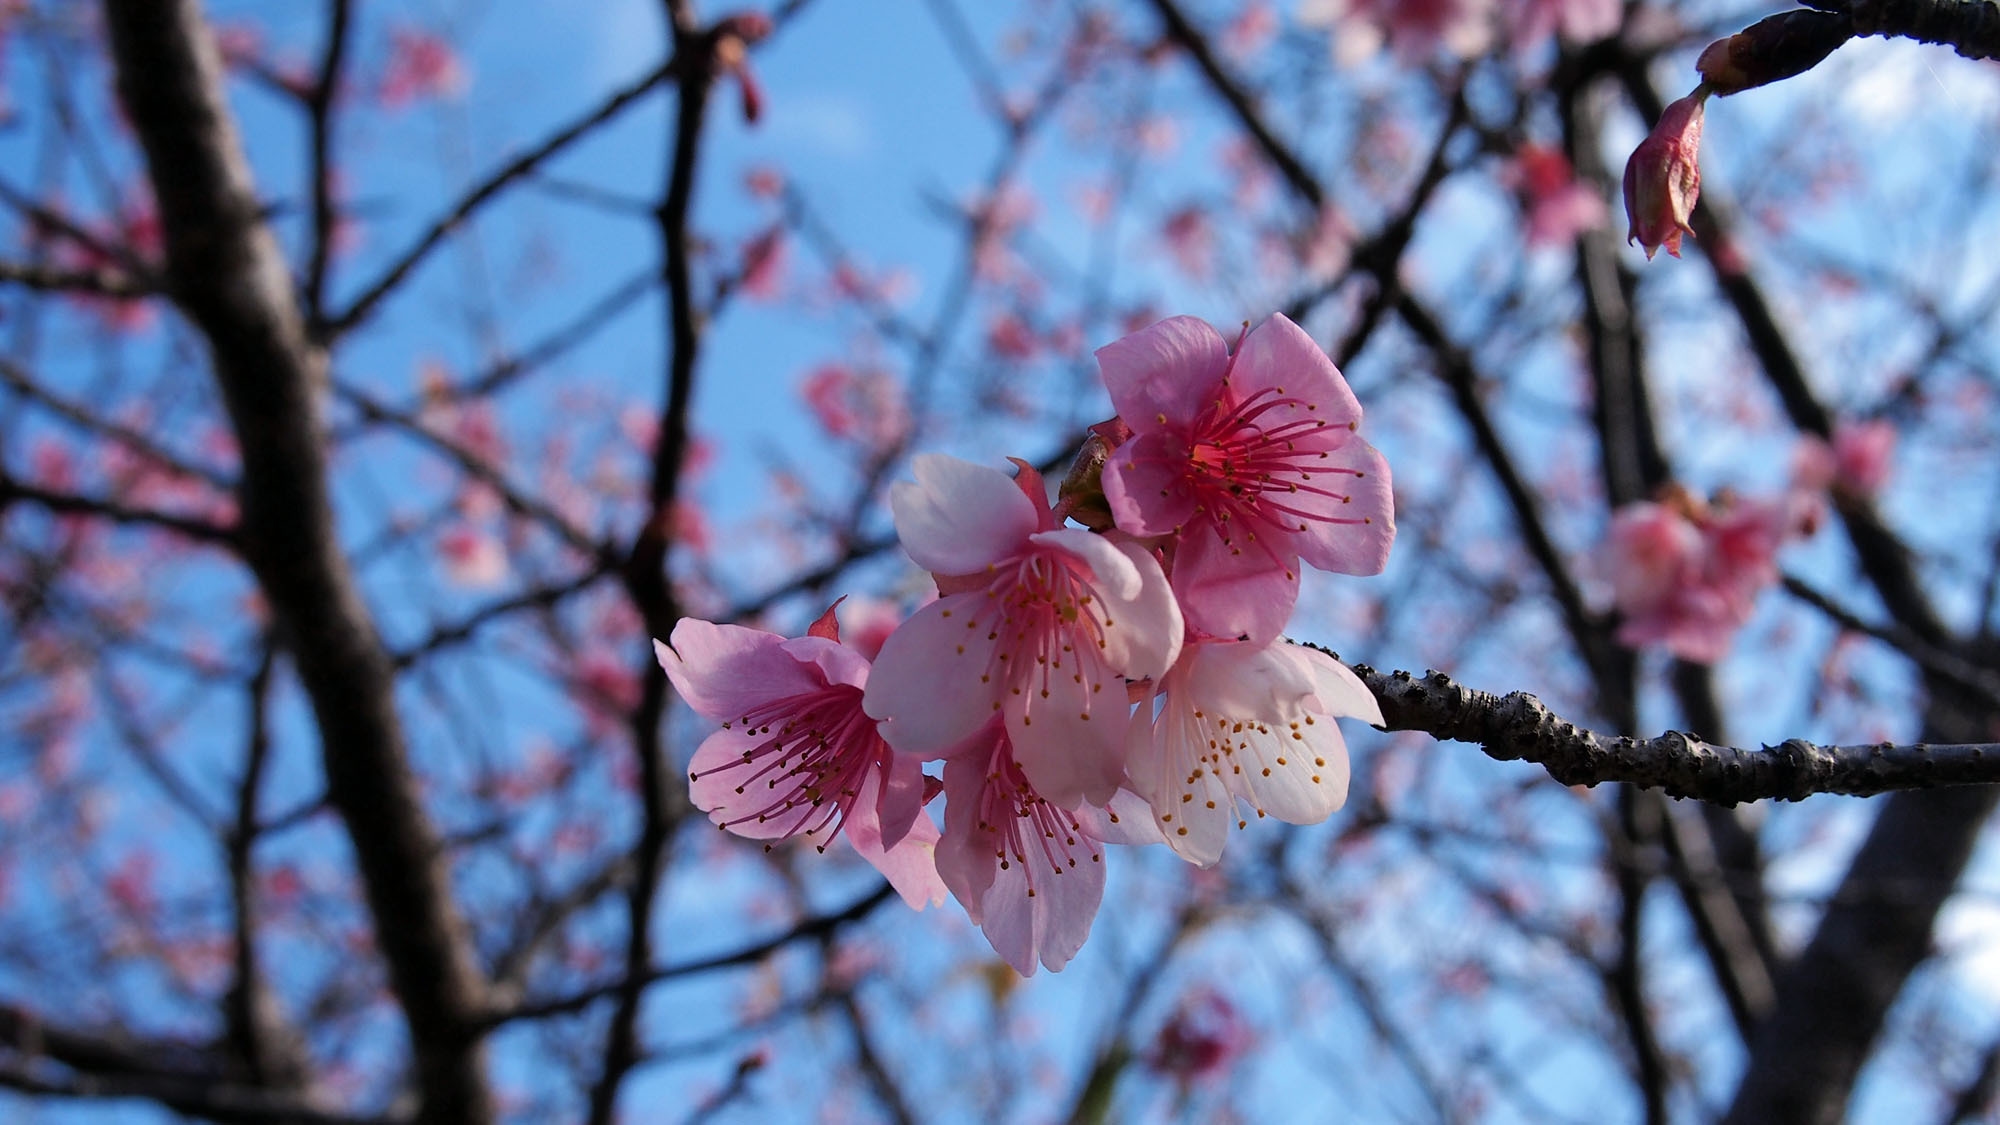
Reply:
x=1039 y=622
x=473 y=556
x=1862 y=456
x=1686 y=576
x=1559 y=206
x=1028 y=871
x=796 y=756
x=1202 y=1040
x=1242 y=721
x=1414 y=28
x=421 y=65
x=1250 y=462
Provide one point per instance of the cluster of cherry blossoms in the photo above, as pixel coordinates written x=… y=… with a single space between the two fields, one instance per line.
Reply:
x=1103 y=668
x=1686 y=572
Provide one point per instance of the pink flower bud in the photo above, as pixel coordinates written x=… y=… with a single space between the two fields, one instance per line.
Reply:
x=1663 y=178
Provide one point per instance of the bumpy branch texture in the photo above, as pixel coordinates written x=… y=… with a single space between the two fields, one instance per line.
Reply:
x=1517 y=726
x=225 y=272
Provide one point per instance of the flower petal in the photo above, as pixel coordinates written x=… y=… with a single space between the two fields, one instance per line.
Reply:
x=910 y=864
x=1228 y=592
x=1146 y=484
x=1279 y=356
x=1359 y=527
x=930 y=687
x=1162 y=375
x=736 y=794
x=958 y=517
x=725 y=671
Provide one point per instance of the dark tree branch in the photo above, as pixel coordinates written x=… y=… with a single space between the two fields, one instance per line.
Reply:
x=320 y=103
x=225 y=272
x=1518 y=727
x=375 y=292
x=815 y=928
x=104 y=281
x=199 y=530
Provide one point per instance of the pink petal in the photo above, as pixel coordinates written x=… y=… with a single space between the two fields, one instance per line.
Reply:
x=1279 y=356
x=1125 y=819
x=1051 y=926
x=1340 y=691
x=1348 y=547
x=910 y=864
x=835 y=661
x=1164 y=374
x=1227 y=593
x=1070 y=745
x=959 y=517
x=926 y=688
x=902 y=800
x=1163 y=757
x=725 y=671
x=722 y=785
x=1145 y=482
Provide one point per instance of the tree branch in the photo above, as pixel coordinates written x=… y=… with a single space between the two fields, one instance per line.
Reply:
x=225 y=272
x=1519 y=727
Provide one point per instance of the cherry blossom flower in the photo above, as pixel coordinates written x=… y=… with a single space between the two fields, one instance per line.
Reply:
x=796 y=756
x=1250 y=462
x=1242 y=721
x=472 y=556
x=1686 y=575
x=1202 y=1040
x=1577 y=21
x=1414 y=28
x=1559 y=206
x=1663 y=178
x=1029 y=872
x=1038 y=622
x=1856 y=464
x=421 y=65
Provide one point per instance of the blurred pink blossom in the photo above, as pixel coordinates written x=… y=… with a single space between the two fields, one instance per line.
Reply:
x=1202 y=1040
x=421 y=65
x=1558 y=206
x=1686 y=575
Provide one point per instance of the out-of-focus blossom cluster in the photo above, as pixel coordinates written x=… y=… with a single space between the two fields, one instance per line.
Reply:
x=1686 y=572
x=1100 y=667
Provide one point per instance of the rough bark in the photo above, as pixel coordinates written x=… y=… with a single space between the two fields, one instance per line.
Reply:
x=225 y=272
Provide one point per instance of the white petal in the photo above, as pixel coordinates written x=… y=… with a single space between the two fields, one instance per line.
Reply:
x=958 y=517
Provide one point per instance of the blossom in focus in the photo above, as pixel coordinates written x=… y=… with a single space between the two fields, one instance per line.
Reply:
x=1663 y=178
x=796 y=756
x=1686 y=575
x=1024 y=869
x=1038 y=622
x=1249 y=462
x=1029 y=871
x=1241 y=721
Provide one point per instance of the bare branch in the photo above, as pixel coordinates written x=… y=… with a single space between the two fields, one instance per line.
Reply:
x=374 y=293
x=1518 y=727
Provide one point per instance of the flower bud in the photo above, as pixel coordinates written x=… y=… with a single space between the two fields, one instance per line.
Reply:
x=1663 y=178
x=1082 y=493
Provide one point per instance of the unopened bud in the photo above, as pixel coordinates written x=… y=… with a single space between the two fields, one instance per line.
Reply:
x=1081 y=496
x=1663 y=178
